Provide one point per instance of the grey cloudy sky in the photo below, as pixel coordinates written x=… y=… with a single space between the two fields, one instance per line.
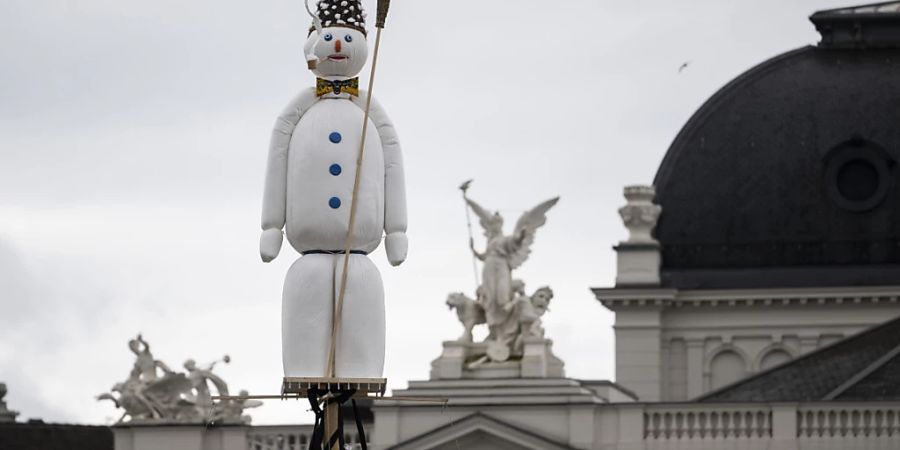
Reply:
x=133 y=138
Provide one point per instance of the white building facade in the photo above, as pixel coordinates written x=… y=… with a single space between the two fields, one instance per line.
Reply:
x=675 y=345
x=758 y=294
x=772 y=227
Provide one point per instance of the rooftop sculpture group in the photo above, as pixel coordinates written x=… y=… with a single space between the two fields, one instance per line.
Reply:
x=501 y=301
x=155 y=393
x=6 y=415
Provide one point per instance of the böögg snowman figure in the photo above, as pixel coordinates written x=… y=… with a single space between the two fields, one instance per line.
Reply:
x=308 y=193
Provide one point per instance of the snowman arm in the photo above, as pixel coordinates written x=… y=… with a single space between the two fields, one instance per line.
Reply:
x=394 y=183
x=275 y=189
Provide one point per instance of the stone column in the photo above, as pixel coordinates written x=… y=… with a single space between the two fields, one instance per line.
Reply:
x=631 y=427
x=639 y=256
x=387 y=427
x=639 y=352
x=695 y=353
x=784 y=426
x=582 y=426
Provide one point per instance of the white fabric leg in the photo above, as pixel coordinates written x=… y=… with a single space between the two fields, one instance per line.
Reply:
x=360 y=346
x=306 y=316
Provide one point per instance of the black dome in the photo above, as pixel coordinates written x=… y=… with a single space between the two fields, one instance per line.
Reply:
x=787 y=176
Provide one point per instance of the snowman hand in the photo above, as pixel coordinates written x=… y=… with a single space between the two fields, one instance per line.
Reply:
x=270 y=244
x=396 y=246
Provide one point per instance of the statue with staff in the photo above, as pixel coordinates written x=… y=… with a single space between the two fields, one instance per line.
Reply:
x=503 y=254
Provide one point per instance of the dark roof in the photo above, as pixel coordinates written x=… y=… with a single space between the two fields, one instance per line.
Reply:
x=863 y=367
x=792 y=165
x=867 y=26
x=43 y=436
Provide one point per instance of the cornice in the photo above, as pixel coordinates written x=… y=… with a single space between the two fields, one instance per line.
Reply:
x=628 y=298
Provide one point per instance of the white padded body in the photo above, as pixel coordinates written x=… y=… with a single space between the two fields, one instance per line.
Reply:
x=299 y=185
x=311 y=284
x=312 y=223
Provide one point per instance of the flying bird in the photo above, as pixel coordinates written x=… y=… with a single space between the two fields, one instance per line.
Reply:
x=684 y=66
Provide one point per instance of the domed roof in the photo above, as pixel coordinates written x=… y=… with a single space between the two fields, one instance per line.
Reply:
x=788 y=173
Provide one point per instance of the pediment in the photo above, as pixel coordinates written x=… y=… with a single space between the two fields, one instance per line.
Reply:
x=480 y=432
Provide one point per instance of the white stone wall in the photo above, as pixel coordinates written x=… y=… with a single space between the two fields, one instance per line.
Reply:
x=677 y=345
x=651 y=426
x=180 y=437
x=639 y=353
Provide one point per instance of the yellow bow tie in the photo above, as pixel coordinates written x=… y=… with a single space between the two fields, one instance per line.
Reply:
x=337 y=87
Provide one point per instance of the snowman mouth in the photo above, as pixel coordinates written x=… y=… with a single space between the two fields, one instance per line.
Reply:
x=338 y=58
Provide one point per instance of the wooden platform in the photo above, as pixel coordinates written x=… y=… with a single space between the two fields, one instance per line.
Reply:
x=300 y=386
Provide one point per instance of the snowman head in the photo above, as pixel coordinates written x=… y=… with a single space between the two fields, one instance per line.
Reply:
x=341 y=51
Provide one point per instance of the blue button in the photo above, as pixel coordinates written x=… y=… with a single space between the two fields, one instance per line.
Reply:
x=335 y=169
x=334 y=137
x=334 y=202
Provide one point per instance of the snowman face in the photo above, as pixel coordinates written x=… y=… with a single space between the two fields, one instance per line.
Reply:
x=342 y=52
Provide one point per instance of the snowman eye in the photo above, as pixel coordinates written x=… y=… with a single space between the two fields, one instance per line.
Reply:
x=348 y=38
x=328 y=37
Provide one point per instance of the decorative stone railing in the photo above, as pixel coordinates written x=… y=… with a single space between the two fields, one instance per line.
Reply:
x=858 y=420
x=279 y=437
x=698 y=426
x=748 y=426
x=290 y=437
x=690 y=422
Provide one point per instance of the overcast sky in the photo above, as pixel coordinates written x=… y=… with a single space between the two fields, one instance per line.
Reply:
x=133 y=140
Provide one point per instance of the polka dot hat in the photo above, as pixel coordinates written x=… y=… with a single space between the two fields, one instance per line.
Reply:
x=342 y=13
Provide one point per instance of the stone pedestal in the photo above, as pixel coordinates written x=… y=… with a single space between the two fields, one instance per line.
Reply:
x=637 y=264
x=538 y=360
x=180 y=437
x=466 y=360
x=6 y=415
x=639 y=257
x=520 y=413
x=525 y=402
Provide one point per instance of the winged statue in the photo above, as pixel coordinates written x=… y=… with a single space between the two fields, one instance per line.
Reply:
x=501 y=256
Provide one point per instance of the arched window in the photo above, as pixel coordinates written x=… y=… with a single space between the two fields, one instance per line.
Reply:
x=726 y=368
x=774 y=358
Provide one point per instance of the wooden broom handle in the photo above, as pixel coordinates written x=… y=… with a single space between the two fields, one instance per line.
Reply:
x=338 y=310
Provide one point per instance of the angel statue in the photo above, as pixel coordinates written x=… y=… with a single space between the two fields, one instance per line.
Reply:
x=501 y=255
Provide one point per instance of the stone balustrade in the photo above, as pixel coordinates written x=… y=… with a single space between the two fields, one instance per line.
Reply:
x=678 y=422
x=843 y=421
x=291 y=437
x=626 y=426
x=819 y=426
